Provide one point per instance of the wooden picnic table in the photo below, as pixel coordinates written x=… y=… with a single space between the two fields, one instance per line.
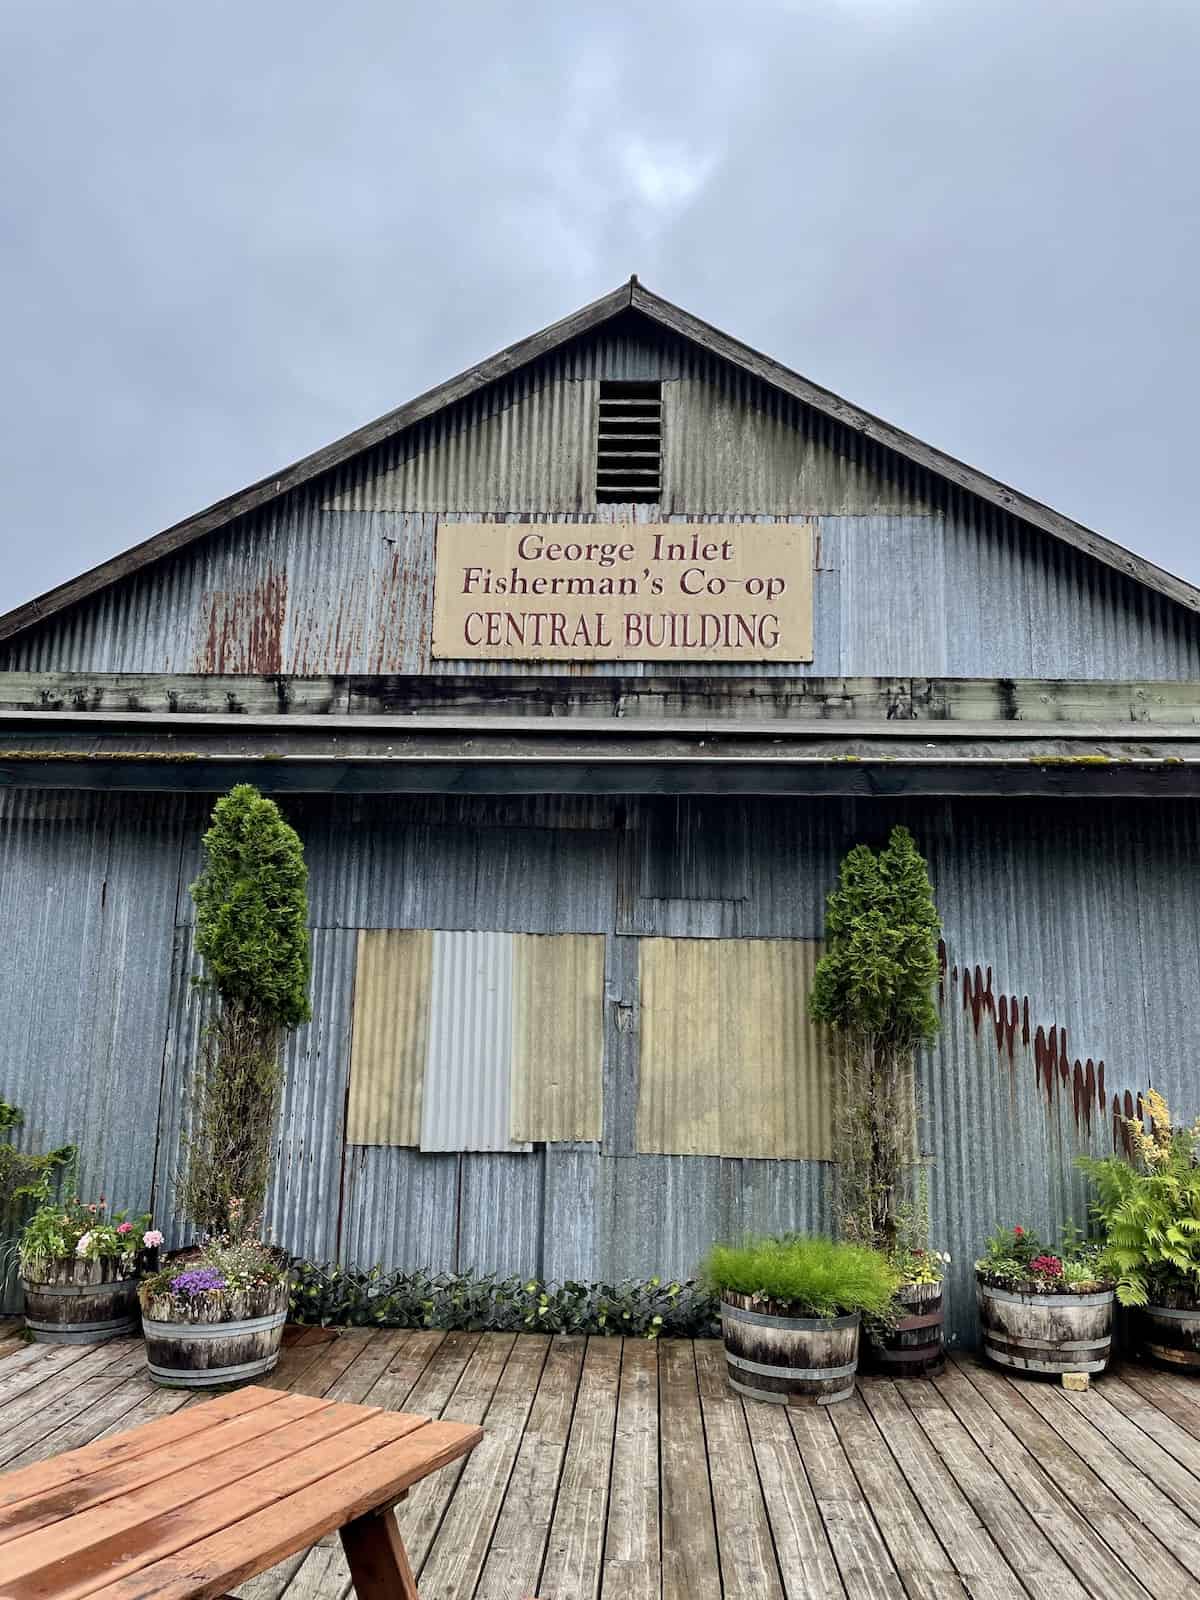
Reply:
x=193 y=1504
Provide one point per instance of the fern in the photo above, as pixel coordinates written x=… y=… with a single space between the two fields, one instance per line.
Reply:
x=1150 y=1209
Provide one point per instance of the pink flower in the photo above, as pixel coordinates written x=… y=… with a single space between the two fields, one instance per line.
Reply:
x=1018 y=1232
x=125 y=1227
x=1046 y=1266
x=93 y=1208
x=153 y=1239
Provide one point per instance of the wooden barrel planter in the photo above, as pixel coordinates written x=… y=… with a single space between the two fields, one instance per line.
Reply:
x=799 y=1361
x=81 y=1302
x=1171 y=1335
x=1046 y=1333
x=206 y=1354
x=916 y=1347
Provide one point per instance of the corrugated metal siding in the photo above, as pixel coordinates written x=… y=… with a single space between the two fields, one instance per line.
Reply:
x=468 y=1074
x=1088 y=917
x=730 y=1063
x=88 y=891
x=912 y=576
x=391 y=1037
x=558 y=1038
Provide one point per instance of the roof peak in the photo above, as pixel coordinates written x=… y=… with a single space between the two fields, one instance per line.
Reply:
x=630 y=295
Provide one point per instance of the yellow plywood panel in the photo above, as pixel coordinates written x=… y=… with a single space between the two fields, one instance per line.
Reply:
x=558 y=1036
x=391 y=1037
x=730 y=1063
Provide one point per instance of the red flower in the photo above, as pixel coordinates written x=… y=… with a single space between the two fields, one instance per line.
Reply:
x=1018 y=1232
x=1046 y=1266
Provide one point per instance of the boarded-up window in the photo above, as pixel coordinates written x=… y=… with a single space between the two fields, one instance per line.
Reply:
x=558 y=1038
x=730 y=1063
x=391 y=1037
x=476 y=1041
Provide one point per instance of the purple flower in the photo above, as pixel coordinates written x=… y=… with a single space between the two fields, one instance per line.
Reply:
x=203 y=1280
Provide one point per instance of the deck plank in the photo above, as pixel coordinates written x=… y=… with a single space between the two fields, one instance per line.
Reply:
x=66 y=1396
x=626 y=1470
x=460 y=1549
x=972 y=1458
x=802 y=1549
x=976 y=1557
x=632 y=1563
x=575 y=1545
x=518 y=1545
x=863 y=1562
x=744 y=1546
x=689 y=1532
x=1149 y=1501
x=1091 y=1496
x=1118 y=1410
x=463 y=1379
x=919 y=1554
x=1184 y=1409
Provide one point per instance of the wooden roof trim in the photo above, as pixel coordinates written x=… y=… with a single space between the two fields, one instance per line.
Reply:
x=181 y=534
x=665 y=314
x=924 y=455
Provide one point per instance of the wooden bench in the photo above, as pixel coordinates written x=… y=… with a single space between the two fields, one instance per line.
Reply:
x=193 y=1504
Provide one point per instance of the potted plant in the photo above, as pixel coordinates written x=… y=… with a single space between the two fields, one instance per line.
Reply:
x=790 y=1314
x=216 y=1315
x=1149 y=1207
x=79 y=1265
x=1043 y=1311
x=874 y=987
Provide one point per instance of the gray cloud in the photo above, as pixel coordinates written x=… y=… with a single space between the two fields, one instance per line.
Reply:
x=230 y=233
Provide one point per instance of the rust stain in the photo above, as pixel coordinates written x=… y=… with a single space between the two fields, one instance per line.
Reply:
x=241 y=630
x=1056 y=1071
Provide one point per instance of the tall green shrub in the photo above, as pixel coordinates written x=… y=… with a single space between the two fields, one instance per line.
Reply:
x=875 y=987
x=252 y=931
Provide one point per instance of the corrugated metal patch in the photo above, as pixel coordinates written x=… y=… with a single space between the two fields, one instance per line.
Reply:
x=467 y=1097
x=730 y=1063
x=558 y=1037
x=390 y=1040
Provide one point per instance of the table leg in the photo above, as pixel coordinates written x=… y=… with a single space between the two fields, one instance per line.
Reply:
x=377 y=1558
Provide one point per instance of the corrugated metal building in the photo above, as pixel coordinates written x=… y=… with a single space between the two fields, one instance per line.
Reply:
x=565 y=910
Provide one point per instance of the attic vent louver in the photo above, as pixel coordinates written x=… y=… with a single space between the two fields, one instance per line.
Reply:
x=629 y=442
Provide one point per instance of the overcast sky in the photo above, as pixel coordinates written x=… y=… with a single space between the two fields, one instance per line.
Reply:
x=231 y=232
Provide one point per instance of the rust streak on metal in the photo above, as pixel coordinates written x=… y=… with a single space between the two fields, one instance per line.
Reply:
x=242 y=629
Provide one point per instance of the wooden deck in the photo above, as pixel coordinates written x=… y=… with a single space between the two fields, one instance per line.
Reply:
x=630 y=1471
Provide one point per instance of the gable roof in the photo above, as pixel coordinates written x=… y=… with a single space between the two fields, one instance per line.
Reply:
x=635 y=296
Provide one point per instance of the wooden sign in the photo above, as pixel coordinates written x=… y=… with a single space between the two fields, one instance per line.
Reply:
x=623 y=591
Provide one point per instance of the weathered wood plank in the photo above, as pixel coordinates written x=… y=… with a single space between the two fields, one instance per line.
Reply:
x=471 y=1376
x=1037 y=1479
x=1182 y=1405
x=518 y=1544
x=1114 y=1404
x=866 y=1569
x=72 y=1390
x=914 y=1546
x=1019 y=1534
x=458 y=1552
x=1073 y=1482
x=744 y=1547
x=1100 y=1434
x=632 y=1562
x=972 y=1550
x=576 y=1538
x=689 y=1531
x=806 y=1563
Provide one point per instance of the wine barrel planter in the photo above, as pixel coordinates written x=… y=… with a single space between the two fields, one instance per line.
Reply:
x=206 y=1354
x=81 y=1302
x=1047 y=1333
x=1171 y=1335
x=772 y=1355
x=916 y=1347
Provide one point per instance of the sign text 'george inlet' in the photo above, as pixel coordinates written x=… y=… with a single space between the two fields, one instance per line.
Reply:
x=690 y=591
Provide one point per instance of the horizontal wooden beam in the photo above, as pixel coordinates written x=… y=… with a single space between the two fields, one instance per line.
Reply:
x=626 y=697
